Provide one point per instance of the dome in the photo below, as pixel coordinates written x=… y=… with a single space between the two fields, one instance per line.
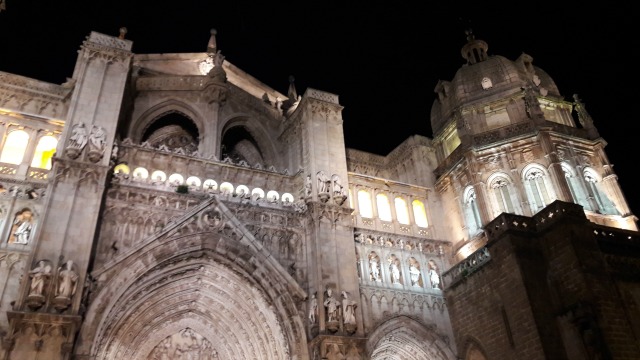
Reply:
x=485 y=78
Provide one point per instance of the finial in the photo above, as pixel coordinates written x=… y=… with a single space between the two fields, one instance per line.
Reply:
x=123 y=32
x=469 y=33
x=212 y=46
x=292 y=94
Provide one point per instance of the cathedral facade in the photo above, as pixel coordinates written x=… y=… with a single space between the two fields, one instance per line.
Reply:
x=172 y=206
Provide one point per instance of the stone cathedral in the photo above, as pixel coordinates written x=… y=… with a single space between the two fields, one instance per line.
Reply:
x=172 y=206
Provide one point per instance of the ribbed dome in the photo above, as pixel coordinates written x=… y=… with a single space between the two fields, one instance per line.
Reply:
x=485 y=78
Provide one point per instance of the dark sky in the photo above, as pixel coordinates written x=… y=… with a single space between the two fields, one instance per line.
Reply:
x=383 y=59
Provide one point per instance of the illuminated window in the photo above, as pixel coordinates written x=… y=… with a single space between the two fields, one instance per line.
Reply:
x=502 y=191
x=242 y=190
x=14 y=147
x=140 y=173
x=536 y=187
x=286 y=197
x=419 y=213
x=44 y=152
x=176 y=179
x=193 y=181
x=122 y=169
x=604 y=205
x=350 y=199
x=451 y=141
x=577 y=191
x=471 y=211
x=210 y=184
x=384 y=210
x=158 y=176
x=226 y=188
x=401 y=211
x=364 y=204
x=271 y=195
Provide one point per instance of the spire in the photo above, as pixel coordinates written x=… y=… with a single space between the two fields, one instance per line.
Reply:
x=293 y=94
x=212 y=47
x=474 y=51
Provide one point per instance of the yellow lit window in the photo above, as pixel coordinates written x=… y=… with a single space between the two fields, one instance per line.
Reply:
x=44 y=152
x=384 y=210
x=121 y=168
x=419 y=213
x=401 y=211
x=364 y=204
x=14 y=147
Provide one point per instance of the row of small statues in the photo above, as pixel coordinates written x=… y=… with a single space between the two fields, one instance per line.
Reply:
x=414 y=272
x=79 y=138
x=325 y=185
x=333 y=309
x=66 y=280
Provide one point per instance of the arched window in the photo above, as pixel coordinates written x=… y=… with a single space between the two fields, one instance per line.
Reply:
x=364 y=204
x=272 y=195
x=176 y=179
x=471 y=211
x=226 y=188
x=242 y=190
x=535 y=181
x=502 y=192
x=419 y=213
x=140 y=173
x=384 y=210
x=44 y=152
x=193 y=181
x=287 y=197
x=158 y=177
x=121 y=169
x=210 y=185
x=604 y=205
x=402 y=213
x=14 y=147
x=577 y=191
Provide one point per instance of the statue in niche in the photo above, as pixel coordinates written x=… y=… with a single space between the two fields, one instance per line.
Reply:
x=339 y=193
x=433 y=275
x=313 y=309
x=323 y=183
x=348 y=312
x=67 y=280
x=39 y=276
x=67 y=283
x=97 y=141
x=332 y=310
x=414 y=272
x=307 y=186
x=395 y=271
x=375 y=267
x=22 y=227
x=78 y=138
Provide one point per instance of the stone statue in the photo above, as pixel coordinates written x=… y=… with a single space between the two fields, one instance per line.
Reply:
x=435 y=278
x=39 y=276
x=415 y=275
x=78 y=138
x=67 y=281
x=338 y=189
x=24 y=225
x=97 y=139
x=375 y=270
x=332 y=306
x=307 y=186
x=313 y=309
x=323 y=183
x=395 y=272
x=348 y=309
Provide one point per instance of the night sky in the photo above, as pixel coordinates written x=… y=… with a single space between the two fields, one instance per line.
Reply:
x=383 y=59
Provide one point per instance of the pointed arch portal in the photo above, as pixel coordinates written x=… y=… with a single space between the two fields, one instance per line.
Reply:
x=403 y=338
x=212 y=294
